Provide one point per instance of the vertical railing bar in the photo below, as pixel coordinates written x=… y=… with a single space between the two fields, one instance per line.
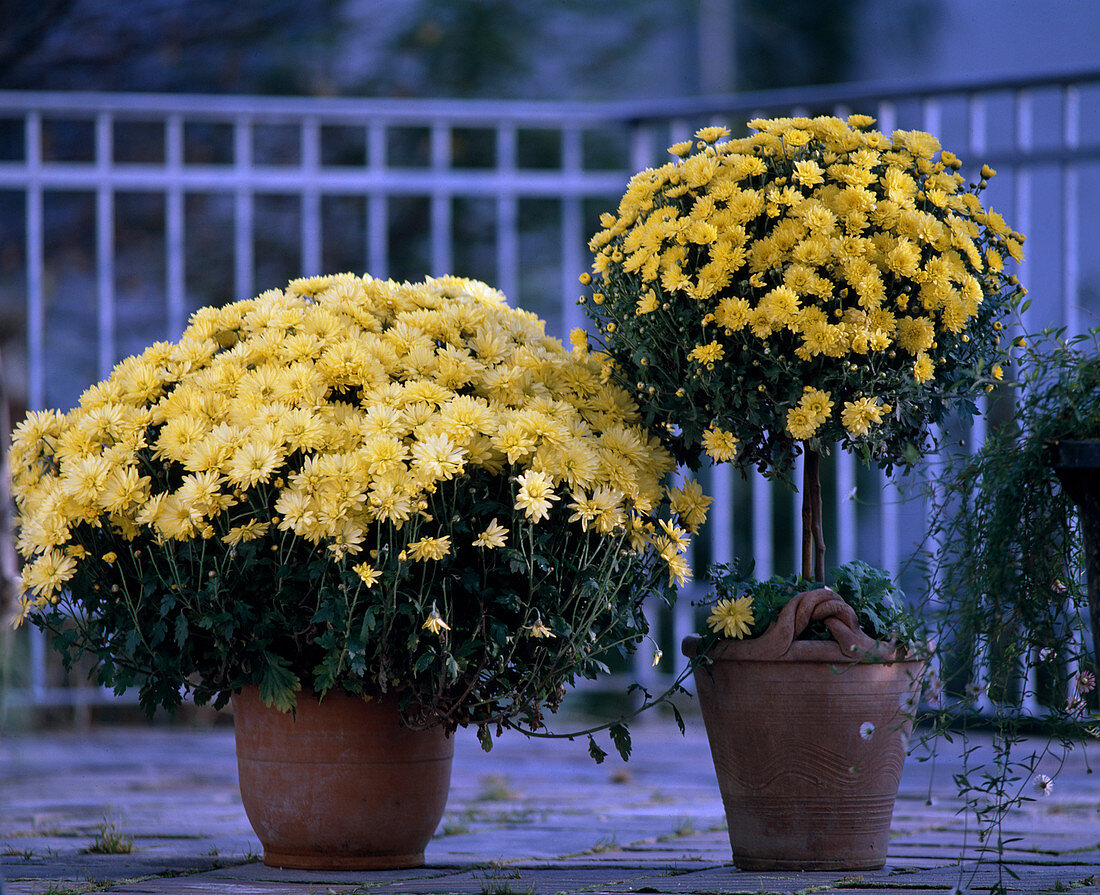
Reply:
x=976 y=146
x=1070 y=237
x=572 y=228
x=442 y=235
x=762 y=552
x=105 y=245
x=378 y=241
x=721 y=515
x=243 y=243
x=174 y=246
x=36 y=337
x=507 y=241
x=311 y=198
x=846 y=504
x=1022 y=180
x=889 y=498
x=679 y=131
x=887 y=116
x=931 y=114
x=35 y=224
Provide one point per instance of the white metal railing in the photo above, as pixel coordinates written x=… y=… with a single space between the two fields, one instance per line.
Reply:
x=213 y=161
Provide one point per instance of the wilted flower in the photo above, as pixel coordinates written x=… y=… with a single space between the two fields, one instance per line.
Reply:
x=1086 y=681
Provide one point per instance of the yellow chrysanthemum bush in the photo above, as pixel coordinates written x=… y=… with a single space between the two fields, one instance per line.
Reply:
x=380 y=487
x=815 y=283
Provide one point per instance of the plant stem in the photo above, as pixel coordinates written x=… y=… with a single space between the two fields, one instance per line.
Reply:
x=813 y=533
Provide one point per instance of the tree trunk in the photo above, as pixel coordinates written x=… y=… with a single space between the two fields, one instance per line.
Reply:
x=813 y=532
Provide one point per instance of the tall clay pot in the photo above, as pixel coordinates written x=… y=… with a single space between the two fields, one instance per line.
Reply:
x=340 y=784
x=808 y=738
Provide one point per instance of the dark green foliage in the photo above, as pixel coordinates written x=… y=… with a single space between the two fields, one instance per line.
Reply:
x=879 y=604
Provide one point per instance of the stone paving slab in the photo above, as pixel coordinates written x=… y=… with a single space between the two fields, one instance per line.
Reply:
x=528 y=818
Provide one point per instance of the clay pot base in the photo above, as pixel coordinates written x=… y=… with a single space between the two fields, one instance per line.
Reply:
x=762 y=864
x=343 y=862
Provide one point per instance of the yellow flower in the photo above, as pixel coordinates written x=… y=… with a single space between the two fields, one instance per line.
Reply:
x=732 y=618
x=535 y=494
x=437 y=457
x=712 y=134
x=430 y=548
x=858 y=416
x=732 y=313
x=435 y=623
x=679 y=572
x=494 y=535
x=720 y=445
x=250 y=531
x=808 y=173
x=816 y=402
x=690 y=504
x=647 y=304
x=45 y=576
x=998 y=372
x=367 y=574
x=539 y=631
x=110 y=557
x=923 y=368
x=801 y=423
x=254 y=462
x=707 y=354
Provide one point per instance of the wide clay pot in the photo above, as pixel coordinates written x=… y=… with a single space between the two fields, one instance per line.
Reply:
x=340 y=784
x=808 y=738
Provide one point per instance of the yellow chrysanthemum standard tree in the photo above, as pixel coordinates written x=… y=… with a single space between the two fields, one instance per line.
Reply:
x=815 y=283
x=352 y=484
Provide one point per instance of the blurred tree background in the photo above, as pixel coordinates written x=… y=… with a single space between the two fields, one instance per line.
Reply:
x=565 y=49
x=464 y=49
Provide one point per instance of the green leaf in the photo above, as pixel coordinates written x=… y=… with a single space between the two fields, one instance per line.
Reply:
x=679 y=718
x=278 y=684
x=594 y=750
x=181 y=630
x=620 y=736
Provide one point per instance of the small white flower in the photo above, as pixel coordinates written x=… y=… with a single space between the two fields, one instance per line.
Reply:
x=1044 y=784
x=866 y=730
x=657 y=657
x=1075 y=705
x=933 y=688
x=974 y=691
x=1046 y=654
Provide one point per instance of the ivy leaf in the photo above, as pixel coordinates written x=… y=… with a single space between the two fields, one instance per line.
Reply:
x=278 y=684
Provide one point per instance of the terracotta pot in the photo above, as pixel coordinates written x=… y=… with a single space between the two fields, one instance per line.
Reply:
x=805 y=786
x=341 y=784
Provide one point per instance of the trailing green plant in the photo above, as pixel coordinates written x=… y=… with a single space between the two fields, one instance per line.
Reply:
x=1006 y=567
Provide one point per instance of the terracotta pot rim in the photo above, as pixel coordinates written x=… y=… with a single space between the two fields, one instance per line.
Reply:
x=825 y=652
